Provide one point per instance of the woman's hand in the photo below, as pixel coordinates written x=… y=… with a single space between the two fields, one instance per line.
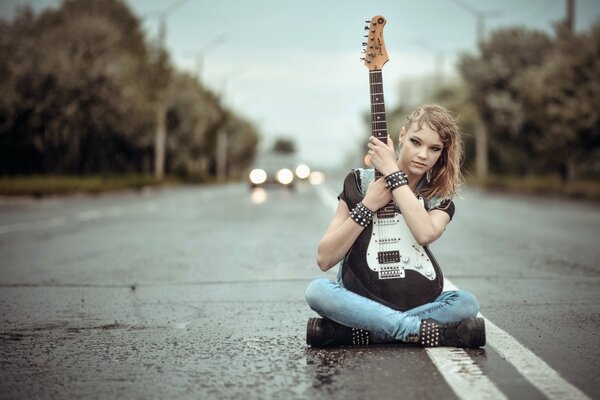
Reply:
x=378 y=195
x=382 y=155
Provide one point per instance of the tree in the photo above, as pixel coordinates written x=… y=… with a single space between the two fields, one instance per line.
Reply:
x=80 y=93
x=193 y=119
x=76 y=96
x=562 y=97
x=492 y=78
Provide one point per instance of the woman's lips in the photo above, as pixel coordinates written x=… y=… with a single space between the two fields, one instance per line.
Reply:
x=418 y=164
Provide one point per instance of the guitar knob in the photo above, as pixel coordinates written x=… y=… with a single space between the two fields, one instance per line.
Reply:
x=405 y=259
x=418 y=265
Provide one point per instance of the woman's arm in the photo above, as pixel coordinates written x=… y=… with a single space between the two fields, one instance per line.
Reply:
x=425 y=226
x=338 y=238
x=343 y=231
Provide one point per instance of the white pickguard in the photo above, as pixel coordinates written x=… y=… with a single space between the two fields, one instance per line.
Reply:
x=393 y=249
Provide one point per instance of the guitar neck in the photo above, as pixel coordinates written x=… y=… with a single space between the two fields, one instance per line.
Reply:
x=378 y=121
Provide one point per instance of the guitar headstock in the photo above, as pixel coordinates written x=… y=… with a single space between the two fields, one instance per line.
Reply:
x=374 y=48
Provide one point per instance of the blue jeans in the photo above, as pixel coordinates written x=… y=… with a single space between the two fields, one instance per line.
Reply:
x=331 y=300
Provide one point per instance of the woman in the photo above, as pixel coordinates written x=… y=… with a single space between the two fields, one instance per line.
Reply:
x=421 y=180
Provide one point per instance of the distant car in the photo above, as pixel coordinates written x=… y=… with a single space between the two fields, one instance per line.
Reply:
x=273 y=169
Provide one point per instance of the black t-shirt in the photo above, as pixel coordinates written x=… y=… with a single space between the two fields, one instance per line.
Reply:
x=352 y=182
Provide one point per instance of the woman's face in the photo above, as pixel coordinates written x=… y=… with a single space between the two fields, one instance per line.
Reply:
x=421 y=149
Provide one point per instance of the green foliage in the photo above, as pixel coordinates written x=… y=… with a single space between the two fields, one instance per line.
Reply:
x=81 y=90
x=492 y=79
x=539 y=98
x=563 y=99
x=74 y=102
x=48 y=185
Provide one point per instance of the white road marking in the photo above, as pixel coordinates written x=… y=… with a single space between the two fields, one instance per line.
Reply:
x=465 y=377
x=39 y=224
x=89 y=215
x=85 y=216
x=327 y=196
x=182 y=325
x=462 y=374
x=533 y=368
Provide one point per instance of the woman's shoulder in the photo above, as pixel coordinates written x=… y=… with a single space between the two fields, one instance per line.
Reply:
x=445 y=204
x=361 y=177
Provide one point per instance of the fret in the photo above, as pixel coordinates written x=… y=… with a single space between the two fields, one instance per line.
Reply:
x=378 y=120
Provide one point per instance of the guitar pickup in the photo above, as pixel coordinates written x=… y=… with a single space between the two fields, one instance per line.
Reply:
x=388 y=257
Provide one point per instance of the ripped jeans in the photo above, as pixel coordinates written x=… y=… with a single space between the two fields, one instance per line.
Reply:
x=331 y=300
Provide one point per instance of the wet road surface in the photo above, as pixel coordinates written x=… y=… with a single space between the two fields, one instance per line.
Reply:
x=198 y=292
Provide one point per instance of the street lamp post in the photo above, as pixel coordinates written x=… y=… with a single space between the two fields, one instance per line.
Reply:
x=201 y=57
x=222 y=134
x=160 y=137
x=438 y=60
x=481 y=133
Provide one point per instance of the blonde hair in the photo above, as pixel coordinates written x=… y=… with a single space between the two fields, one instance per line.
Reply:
x=446 y=177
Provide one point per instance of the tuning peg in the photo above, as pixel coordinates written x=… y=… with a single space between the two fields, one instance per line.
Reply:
x=366 y=28
x=368 y=21
x=362 y=58
x=364 y=43
x=364 y=51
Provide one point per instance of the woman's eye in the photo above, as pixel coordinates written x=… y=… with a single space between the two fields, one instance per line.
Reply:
x=415 y=142
x=436 y=149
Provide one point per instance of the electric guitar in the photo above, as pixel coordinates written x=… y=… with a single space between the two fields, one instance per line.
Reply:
x=401 y=273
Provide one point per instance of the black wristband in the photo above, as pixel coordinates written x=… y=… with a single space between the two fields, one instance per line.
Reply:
x=361 y=215
x=396 y=179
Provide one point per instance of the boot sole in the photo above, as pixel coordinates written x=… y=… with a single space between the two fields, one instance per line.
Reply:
x=311 y=330
x=478 y=338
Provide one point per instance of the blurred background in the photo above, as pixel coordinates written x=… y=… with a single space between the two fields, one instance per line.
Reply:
x=142 y=92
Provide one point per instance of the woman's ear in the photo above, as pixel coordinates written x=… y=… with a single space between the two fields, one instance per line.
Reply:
x=402 y=135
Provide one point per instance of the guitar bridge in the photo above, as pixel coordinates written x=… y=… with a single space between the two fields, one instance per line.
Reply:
x=391 y=272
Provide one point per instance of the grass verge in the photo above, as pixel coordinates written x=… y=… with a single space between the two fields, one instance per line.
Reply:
x=550 y=185
x=40 y=186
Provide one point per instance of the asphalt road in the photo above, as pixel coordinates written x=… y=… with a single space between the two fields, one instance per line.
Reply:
x=198 y=292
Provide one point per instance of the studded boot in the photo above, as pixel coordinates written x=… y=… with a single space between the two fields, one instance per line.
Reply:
x=469 y=332
x=321 y=332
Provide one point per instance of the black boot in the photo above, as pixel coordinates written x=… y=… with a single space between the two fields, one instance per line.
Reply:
x=469 y=332
x=322 y=332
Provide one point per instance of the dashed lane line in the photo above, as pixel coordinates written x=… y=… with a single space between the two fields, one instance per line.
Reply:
x=38 y=224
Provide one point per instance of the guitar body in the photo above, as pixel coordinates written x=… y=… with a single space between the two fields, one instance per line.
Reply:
x=386 y=264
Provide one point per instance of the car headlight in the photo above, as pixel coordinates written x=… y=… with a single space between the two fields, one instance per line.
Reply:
x=316 y=178
x=285 y=176
x=302 y=171
x=258 y=176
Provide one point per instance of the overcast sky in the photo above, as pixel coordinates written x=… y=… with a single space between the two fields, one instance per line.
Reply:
x=293 y=68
